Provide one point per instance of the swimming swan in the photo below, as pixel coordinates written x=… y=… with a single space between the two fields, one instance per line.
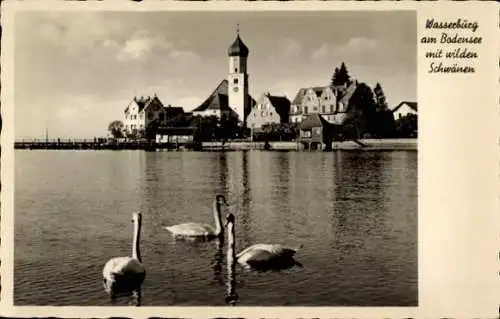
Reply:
x=262 y=256
x=126 y=274
x=201 y=231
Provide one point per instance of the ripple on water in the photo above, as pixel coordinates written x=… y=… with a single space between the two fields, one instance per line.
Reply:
x=355 y=214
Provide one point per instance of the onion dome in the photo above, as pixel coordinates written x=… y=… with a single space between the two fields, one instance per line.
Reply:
x=238 y=48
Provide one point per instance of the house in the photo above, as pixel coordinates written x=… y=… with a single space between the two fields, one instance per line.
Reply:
x=331 y=102
x=316 y=132
x=404 y=108
x=178 y=135
x=268 y=109
x=142 y=111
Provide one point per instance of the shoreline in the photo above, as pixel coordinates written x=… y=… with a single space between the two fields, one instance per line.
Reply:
x=364 y=145
x=369 y=145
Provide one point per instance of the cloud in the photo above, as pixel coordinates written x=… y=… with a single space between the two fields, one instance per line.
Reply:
x=290 y=47
x=320 y=52
x=357 y=45
x=139 y=46
x=184 y=56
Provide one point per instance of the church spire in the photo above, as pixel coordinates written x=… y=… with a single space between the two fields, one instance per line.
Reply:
x=238 y=48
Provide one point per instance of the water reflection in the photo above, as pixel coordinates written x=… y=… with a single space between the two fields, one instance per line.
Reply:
x=217 y=261
x=246 y=199
x=231 y=296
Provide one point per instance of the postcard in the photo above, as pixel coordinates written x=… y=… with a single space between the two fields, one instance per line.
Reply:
x=302 y=159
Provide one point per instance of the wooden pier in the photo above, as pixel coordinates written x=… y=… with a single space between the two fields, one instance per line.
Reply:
x=96 y=144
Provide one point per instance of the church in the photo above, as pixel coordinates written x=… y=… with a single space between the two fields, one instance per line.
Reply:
x=231 y=97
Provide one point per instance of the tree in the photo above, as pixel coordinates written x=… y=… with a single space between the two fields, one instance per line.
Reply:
x=343 y=75
x=136 y=134
x=116 y=128
x=335 y=77
x=380 y=97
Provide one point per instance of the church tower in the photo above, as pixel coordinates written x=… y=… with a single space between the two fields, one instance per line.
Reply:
x=239 y=99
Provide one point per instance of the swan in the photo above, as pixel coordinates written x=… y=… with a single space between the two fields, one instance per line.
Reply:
x=261 y=256
x=126 y=274
x=201 y=231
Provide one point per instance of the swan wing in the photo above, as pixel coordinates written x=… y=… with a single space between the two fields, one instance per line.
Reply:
x=260 y=251
x=122 y=266
x=191 y=229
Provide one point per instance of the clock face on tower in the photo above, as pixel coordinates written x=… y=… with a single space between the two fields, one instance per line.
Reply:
x=235 y=89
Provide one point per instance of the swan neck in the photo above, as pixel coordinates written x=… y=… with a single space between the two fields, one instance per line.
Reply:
x=136 y=252
x=217 y=216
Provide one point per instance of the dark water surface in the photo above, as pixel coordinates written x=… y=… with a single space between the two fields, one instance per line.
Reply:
x=354 y=212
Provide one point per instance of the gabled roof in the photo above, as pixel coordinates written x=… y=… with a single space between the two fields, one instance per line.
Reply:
x=142 y=102
x=218 y=100
x=213 y=102
x=318 y=90
x=299 y=96
x=347 y=93
x=280 y=103
x=412 y=105
x=313 y=120
x=173 y=110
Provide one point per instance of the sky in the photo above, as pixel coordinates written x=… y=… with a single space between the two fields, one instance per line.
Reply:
x=75 y=72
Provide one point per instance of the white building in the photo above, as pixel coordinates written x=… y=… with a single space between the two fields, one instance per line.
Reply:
x=140 y=112
x=404 y=108
x=269 y=109
x=331 y=102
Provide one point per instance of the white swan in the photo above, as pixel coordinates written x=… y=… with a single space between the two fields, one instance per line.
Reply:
x=126 y=274
x=261 y=256
x=201 y=231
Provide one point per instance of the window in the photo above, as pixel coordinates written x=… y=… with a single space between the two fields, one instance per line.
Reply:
x=270 y=113
x=235 y=81
x=235 y=70
x=305 y=109
x=323 y=109
x=331 y=109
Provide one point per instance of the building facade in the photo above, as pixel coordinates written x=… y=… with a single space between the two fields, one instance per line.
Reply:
x=142 y=111
x=331 y=102
x=404 y=108
x=269 y=109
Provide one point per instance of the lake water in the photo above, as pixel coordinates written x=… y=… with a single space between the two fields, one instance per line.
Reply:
x=354 y=212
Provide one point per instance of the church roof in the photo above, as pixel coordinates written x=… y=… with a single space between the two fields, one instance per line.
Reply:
x=238 y=48
x=218 y=100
